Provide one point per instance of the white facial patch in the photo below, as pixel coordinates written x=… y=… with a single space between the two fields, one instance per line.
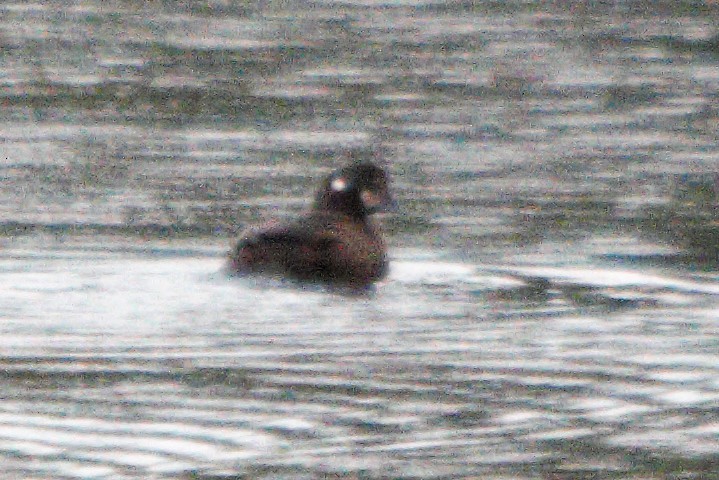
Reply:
x=339 y=184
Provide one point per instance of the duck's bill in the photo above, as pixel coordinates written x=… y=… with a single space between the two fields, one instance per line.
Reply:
x=378 y=202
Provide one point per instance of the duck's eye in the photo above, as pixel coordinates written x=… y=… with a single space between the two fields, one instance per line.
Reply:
x=339 y=184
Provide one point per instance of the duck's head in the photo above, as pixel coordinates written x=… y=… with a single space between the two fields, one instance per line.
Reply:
x=357 y=190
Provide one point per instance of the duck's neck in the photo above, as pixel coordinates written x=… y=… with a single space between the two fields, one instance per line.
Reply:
x=345 y=204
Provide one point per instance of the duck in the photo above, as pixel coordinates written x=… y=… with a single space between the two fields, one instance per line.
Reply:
x=335 y=242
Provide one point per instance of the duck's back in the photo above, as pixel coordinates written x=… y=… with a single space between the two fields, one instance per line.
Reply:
x=322 y=245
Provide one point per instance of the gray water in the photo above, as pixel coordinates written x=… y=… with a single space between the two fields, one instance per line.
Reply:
x=552 y=306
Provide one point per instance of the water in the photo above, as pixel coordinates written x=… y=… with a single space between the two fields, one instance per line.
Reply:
x=551 y=310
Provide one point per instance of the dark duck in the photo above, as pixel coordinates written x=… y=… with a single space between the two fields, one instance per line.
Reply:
x=335 y=242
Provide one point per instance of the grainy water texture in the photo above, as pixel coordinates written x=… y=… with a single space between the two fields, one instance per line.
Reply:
x=552 y=309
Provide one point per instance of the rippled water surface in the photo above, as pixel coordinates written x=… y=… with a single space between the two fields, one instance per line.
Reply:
x=552 y=309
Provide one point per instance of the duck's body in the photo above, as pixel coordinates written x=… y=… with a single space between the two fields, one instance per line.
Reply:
x=335 y=242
